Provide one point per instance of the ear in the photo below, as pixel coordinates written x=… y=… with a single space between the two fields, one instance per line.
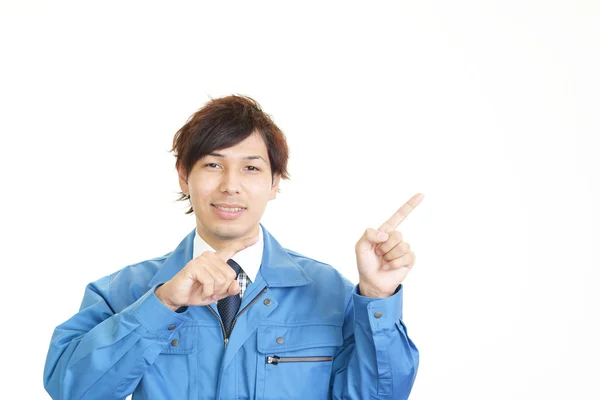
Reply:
x=183 y=180
x=275 y=186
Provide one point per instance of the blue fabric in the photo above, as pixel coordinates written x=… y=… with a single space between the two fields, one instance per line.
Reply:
x=229 y=306
x=124 y=340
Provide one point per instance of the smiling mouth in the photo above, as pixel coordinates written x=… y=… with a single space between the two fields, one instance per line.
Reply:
x=228 y=209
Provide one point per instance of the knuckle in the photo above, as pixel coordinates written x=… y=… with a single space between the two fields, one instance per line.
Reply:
x=190 y=271
x=221 y=281
x=229 y=273
x=392 y=239
x=384 y=249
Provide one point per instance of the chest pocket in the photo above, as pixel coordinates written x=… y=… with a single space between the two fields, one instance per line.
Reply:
x=294 y=362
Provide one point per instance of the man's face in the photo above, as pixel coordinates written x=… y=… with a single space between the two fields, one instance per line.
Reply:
x=229 y=191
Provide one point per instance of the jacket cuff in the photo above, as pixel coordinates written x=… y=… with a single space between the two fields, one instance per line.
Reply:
x=378 y=313
x=156 y=316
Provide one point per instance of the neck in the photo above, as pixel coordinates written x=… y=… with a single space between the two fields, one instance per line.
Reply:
x=219 y=242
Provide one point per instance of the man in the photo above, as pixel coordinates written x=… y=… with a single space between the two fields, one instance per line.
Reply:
x=230 y=313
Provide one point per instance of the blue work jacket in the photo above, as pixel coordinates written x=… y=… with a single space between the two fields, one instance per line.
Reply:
x=303 y=332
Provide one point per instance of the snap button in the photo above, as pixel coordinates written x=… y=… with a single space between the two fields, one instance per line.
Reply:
x=280 y=340
x=174 y=342
x=171 y=327
x=267 y=302
x=378 y=314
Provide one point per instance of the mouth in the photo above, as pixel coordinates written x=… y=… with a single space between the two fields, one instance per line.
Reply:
x=228 y=211
x=228 y=208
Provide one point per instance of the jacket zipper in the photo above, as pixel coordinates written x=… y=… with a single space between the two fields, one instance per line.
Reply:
x=225 y=338
x=274 y=360
x=254 y=300
x=225 y=335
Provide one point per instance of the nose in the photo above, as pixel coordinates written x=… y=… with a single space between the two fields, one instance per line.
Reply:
x=231 y=183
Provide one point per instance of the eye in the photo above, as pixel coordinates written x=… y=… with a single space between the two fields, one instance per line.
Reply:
x=253 y=168
x=212 y=165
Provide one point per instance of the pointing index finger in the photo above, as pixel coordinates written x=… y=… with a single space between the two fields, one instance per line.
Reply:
x=402 y=213
x=228 y=252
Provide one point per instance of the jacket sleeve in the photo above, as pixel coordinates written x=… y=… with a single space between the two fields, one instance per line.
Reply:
x=377 y=359
x=102 y=354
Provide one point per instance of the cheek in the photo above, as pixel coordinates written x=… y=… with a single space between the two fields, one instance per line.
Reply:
x=259 y=190
x=256 y=196
x=201 y=191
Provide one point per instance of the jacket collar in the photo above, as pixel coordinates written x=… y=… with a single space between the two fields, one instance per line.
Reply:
x=277 y=267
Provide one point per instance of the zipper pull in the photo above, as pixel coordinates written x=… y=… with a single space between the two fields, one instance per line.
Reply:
x=226 y=341
x=273 y=360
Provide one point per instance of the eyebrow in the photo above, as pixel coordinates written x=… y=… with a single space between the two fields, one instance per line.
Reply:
x=243 y=158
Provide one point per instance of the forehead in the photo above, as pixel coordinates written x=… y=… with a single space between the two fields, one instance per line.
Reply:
x=253 y=145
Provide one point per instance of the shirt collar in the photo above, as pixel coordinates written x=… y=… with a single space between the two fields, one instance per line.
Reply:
x=249 y=259
x=278 y=268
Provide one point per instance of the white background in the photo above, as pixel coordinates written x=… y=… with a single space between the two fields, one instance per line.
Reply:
x=489 y=108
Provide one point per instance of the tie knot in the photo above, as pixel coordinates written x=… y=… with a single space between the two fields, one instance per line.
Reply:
x=236 y=267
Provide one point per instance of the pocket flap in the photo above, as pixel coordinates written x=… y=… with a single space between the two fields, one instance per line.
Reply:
x=277 y=339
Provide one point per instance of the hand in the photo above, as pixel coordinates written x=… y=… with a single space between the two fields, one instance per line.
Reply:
x=205 y=279
x=383 y=259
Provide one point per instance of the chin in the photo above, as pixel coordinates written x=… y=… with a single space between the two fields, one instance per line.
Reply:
x=230 y=230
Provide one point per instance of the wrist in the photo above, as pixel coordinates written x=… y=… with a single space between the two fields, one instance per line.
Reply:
x=370 y=291
x=159 y=293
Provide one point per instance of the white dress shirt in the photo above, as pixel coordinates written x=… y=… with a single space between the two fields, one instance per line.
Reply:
x=248 y=259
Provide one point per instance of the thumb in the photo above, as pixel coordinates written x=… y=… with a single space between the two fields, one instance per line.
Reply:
x=234 y=288
x=370 y=239
x=239 y=245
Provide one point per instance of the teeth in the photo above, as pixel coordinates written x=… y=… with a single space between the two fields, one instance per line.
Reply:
x=229 y=209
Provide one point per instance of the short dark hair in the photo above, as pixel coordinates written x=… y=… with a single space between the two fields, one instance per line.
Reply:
x=223 y=123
